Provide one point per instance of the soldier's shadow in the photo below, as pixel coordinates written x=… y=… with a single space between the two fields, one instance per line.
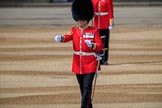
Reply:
x=148 y=62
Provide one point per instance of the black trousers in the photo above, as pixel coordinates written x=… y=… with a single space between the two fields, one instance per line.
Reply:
x=105 y=41
x=85 y=83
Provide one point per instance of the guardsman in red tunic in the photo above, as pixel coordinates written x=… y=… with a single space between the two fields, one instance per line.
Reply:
x=104 y=21
x=84 y=59
x=86 y=42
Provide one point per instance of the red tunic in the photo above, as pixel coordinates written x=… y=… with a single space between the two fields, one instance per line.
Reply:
x=103 y=10
x=84 y=64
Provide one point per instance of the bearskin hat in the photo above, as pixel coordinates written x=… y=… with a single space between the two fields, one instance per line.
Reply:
x=82 y=10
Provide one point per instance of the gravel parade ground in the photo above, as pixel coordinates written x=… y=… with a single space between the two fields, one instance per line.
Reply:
x=35 y=71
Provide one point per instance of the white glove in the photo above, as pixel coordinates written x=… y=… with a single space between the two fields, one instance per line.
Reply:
x=110 y=27
x=89 y=43
x=58 y=38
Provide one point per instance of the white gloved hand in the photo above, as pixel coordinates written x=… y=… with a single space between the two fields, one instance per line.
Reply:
x=58 y=38
x=110 y=27
x=89 y=43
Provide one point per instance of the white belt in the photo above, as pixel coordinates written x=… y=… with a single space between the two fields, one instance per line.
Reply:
x=85 y=53
x=101 y=13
